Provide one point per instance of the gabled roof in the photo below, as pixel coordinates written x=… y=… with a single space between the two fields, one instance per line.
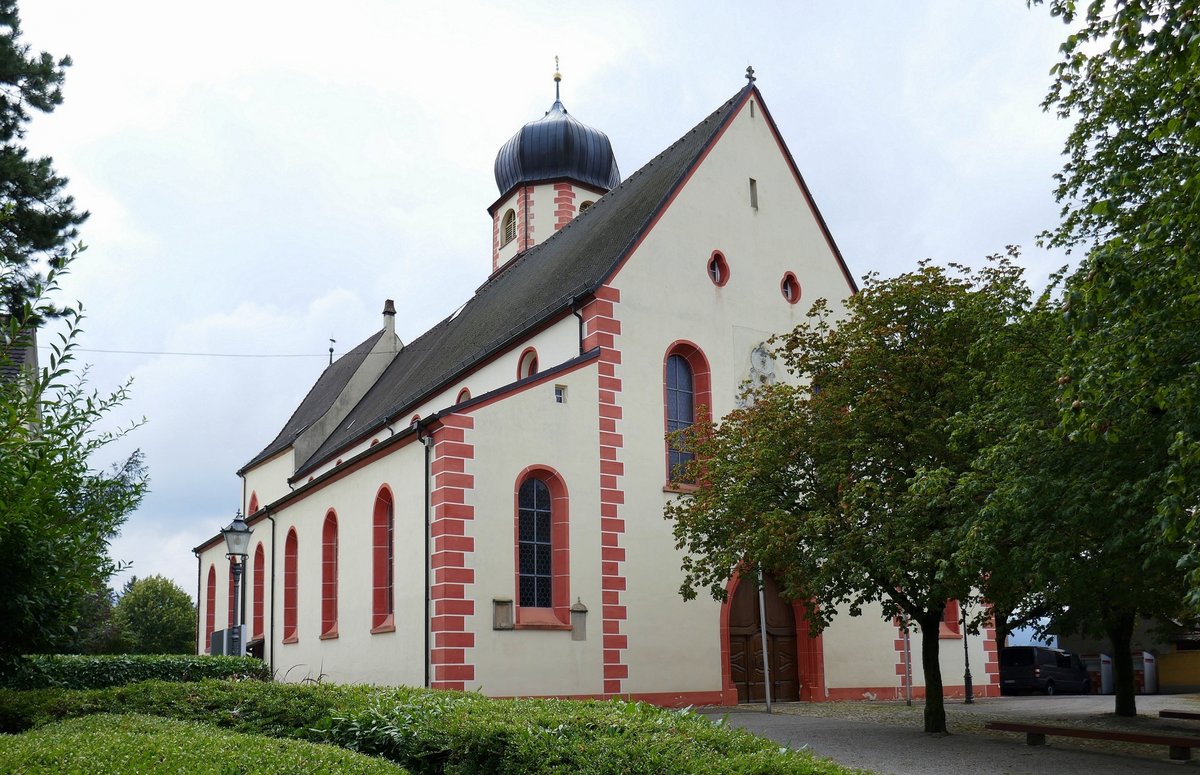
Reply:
x=531 y=290
x=322 y=395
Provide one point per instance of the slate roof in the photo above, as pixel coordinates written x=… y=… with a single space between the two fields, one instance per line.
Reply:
x=320 y=397
x=533 y=288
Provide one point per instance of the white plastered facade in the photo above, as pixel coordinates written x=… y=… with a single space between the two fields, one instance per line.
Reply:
x=593 y=417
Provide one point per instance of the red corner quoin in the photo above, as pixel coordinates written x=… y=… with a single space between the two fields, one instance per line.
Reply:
x=451 y=558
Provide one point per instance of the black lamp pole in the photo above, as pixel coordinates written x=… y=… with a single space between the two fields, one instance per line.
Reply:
x=970 y=698
x=237 y=542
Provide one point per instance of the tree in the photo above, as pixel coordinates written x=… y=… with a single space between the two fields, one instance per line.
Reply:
x=1130 y=188
x=57 y=513
x=156 y=617
x=844 y=487
x=39 y=220
x=1067 y=528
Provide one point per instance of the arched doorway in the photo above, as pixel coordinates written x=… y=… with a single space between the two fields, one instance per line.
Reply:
x=745 y=643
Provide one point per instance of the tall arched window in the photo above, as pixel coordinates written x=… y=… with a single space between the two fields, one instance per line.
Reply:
x=535 y=546
x=210 y=607
x=543 y=554
x=383 y=557
x=256 y=628
x=290 y=580
x=686 y=394
x=329 y=576
x=527 y=364
x=508 y=227
x=252 y=506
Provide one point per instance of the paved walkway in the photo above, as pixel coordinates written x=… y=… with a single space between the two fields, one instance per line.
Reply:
x=902 y=749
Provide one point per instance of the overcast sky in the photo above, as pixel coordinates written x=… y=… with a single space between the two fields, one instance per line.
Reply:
x=262 y=175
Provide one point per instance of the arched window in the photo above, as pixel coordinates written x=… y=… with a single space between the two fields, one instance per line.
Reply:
x=535 y=547
x=686 y=388
x=718 y=269
x=253 y=505
x=585 y=204
x=383 y=558
x=329 y=576
x=210 y=607
x=527 y=364
x=508 y=227
x=290 y=580
x=259 y=573
x=543 y=553
x=463 y=395
x=789 y=286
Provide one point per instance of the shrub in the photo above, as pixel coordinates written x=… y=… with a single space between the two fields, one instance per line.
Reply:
x=135 y=744
x=96 y=672
x=436 y=732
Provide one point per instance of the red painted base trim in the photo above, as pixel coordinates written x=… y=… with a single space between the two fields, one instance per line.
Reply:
x=892 y=693
x=661 y=699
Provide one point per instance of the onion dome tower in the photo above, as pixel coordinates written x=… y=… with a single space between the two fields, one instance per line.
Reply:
x=547 y=173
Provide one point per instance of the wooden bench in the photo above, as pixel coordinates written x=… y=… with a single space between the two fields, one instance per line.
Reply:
x=1185 y=714
x=1035 y=734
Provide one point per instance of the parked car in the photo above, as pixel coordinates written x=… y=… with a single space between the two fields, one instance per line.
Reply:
x=1042 y=669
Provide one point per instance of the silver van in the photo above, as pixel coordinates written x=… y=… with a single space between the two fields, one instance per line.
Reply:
x=1042 y=669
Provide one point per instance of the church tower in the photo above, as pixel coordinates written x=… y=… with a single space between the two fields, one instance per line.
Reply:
x=547 y=173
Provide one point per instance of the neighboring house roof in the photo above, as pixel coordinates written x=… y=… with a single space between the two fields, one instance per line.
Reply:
x=322 y=395
x=532 y=289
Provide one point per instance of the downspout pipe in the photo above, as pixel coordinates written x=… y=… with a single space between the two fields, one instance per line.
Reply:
x=427 y=442
x=199 y=575
x=271 y=636
x=578 y=314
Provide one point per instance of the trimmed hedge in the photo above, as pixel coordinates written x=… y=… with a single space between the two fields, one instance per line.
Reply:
x=137 y=744
x=72 y=671
x=442 y=732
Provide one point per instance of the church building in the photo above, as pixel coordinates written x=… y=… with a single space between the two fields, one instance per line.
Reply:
x=482 y=508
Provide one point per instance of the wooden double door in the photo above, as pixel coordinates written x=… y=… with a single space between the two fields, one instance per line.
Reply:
x=746 y=646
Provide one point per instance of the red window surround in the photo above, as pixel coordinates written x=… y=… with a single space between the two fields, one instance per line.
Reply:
x=718 y=269
x=256 y=628
x=558 y=616
x=463 y=395
x=383 y=560
x=329 y=577
x=951 y=626
x=290 y=579
x=253 y=505
x=789 y=286
x=701 y=401
x=527 y=364
x=210 y=607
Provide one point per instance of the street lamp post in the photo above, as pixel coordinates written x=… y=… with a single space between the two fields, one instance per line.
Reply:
x=970 y=697
x=237 y=544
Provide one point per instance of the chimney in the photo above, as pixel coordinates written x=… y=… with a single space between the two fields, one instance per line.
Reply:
x=389 y=323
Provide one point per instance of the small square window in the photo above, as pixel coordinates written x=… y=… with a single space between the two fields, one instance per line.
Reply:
x=560 y=394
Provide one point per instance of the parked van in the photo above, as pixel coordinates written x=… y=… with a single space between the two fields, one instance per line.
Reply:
x=1038 y=668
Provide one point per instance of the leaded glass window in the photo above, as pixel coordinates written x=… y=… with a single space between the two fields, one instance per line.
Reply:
x=534 y=546
x=681 y=411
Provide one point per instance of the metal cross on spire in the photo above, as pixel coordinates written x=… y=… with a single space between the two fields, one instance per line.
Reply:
x=750 y=74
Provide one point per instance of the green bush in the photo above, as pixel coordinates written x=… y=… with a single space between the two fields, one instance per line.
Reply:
x=137 y=744
x=436 y=732
x=96 y=672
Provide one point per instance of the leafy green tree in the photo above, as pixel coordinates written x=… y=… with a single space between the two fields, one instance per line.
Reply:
x=57 y=513
x=1130 y=188
x=1068 y=527
x=39 y=220
x=847 y=491
x=156 y=617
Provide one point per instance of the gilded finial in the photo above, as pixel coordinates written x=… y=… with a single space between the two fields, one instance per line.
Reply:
x=557 y=78
x=750 y=74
